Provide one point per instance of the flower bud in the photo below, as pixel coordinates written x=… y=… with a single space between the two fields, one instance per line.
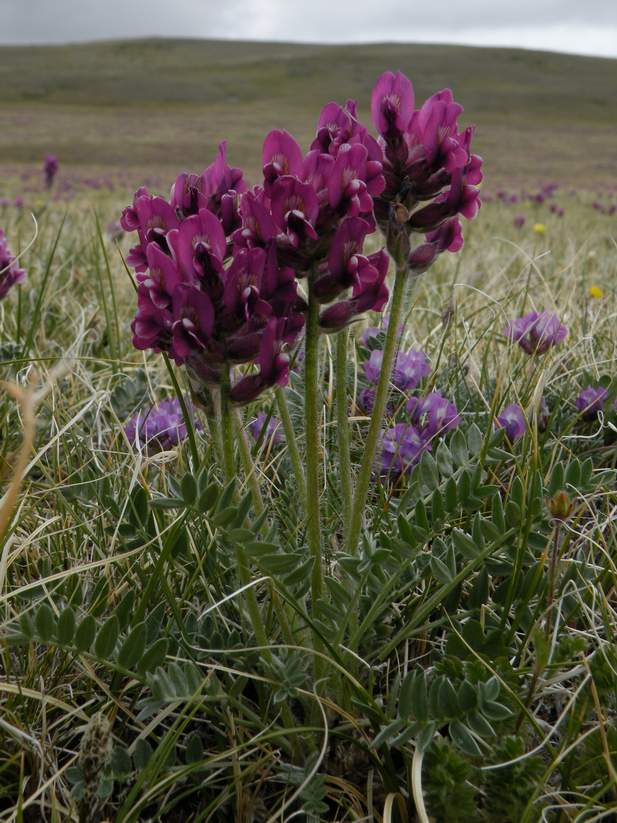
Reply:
x=560 y=505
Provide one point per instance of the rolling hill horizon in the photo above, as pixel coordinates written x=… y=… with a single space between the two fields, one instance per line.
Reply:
x=165 y=104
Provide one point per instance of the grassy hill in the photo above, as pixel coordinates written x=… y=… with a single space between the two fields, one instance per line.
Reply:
x=164 y=104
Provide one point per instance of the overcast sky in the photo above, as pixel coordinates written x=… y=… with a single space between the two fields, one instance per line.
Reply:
x=581 y=26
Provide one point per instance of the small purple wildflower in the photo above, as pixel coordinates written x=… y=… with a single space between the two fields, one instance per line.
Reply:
x=159 y=428
x=273 y=429
x=434 y=414
x=591 y=401
x=536 y=332
x=10 y=273
x=519 y=221
x=512 y=420
x=50 y=169
x=409 y=369
x=401 y=447
x=366 y=400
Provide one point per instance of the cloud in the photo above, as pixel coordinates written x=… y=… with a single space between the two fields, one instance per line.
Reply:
x=566 y=25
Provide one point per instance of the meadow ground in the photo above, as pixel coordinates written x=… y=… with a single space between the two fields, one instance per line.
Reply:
x=467 y=652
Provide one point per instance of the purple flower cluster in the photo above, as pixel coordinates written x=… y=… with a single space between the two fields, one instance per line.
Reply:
x=409 y=369
x=590 y=402
x=10 y=273
x=160 y=427
x=512 y=420
x=403 y=444
x=427 y=161
x=268 y=429
x=536 y=332
x=50 y=169
x=202 y=298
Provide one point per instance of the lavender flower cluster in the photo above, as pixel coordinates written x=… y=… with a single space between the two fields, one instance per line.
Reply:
x=10 y=273
x=159 y=428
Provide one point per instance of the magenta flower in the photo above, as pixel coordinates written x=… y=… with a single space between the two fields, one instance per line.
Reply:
x=448 y=237
x=209 y=302
x=433 y=415
x=10 y=273
x=270 y=431
x=536 y=332
x=159 y=428
x=426 y=158
x=512 y=420
x=392 y=104
x=401 y=447
x=591 y=401
x=50 y=169
x=519 y=221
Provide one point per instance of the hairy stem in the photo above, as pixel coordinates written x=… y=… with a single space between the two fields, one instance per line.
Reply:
x=313 y=450
x=248 y=464
x=230 y=472
x=342 y=427
x=292 y=445
x=381 y=398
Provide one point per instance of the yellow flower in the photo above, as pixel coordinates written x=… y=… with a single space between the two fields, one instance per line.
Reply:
x=596 y=292
x=539 y=228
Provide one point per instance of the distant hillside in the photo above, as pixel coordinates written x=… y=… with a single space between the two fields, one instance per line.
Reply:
x=166 y=103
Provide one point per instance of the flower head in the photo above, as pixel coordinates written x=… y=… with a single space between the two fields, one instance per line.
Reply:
x=596 y=292
x=10 y=273
x=50 y=169
x=270 y=431
x=159 y=428
x=512 y=420
x=434 y=414
x=519 y=221
x=539 y=228
x=591 y=401
x=401 y=447
x=536 y=332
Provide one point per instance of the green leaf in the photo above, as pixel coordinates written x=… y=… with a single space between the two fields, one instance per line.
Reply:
x=458 y=447
x=440 y=570
x=451 y=495
x=463 y=738
x=388 y=732
x=495 y=711
x=405 y=701
x=194 y=748
x=121 y=762
x=45 y=622
x=66 y=626
x=467 y=696
x=208 y=498
x=153 y=656
x=85 y=633
x=448 y=701
x=142 y=753
x=188 y=486
x=133 y=647
x=475 y=439
x=465 y=544
x=106 y=638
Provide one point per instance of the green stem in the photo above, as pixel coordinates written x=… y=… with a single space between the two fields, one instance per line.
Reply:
x=381 y=398
x=227 y=425
x=313 y=453
x=186 y=416
x=248 y=464
x=342 y=427
x=292 y=445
